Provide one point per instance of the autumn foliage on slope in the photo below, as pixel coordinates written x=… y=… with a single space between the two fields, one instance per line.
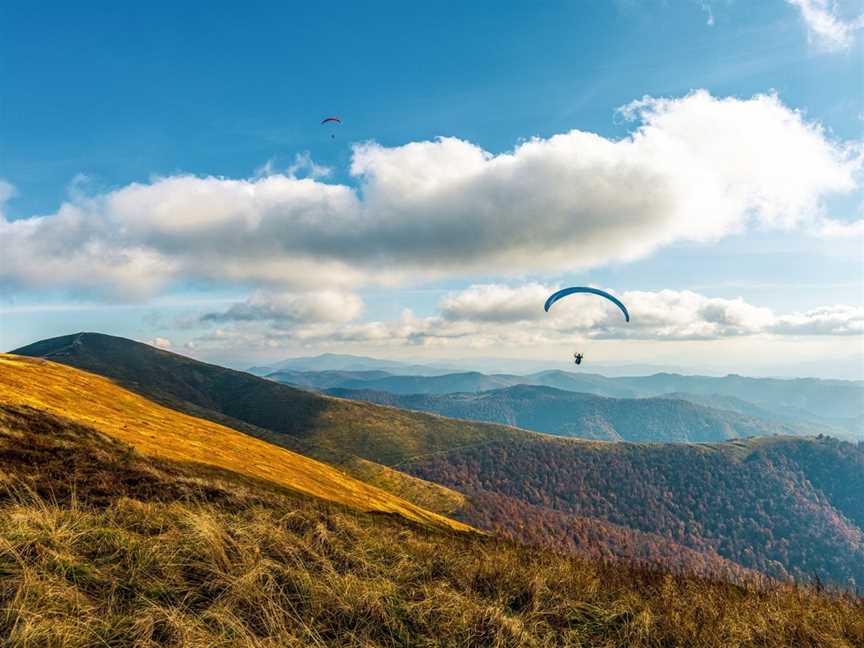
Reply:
x=786 y=507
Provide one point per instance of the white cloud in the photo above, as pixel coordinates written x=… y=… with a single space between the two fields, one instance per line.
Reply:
x=841 y=229
x=827 y=320
x=666 y=314
x=289 y=309
x=695 y=168
x=830 y=23
x=709 y=12
x=494 y=303
x=7 y=192
x=160 y=342
x=495 y=315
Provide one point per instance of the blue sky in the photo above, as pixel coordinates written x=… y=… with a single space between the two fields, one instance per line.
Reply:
x=98 y=98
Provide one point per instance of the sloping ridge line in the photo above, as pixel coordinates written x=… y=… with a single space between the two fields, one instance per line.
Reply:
x=161 y=432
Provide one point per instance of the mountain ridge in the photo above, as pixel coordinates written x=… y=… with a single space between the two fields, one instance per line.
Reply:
x=140 y=551
x=831 y=407
x=574 y=414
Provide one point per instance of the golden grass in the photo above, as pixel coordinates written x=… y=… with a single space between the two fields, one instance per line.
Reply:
x=429 y=495
x=164 y=433
x=180 y=574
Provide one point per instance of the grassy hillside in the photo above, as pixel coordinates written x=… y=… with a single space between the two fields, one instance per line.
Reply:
x=354 y=437
x=763 y=514
x=784 y=506
x=164 y=433
x=101 y=545
x=564 y=413
x=330 y=427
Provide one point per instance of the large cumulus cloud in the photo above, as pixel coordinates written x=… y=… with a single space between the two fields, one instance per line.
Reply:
x=694 y=168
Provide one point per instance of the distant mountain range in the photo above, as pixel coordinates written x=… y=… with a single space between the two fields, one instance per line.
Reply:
x=349 y=363
x=810 y=405
x=786 y=506
x=574 y=414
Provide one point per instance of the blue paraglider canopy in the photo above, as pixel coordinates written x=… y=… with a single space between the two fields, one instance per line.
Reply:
x=554 y=297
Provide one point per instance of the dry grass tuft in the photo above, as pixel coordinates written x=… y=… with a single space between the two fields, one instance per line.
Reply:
x=297 y=574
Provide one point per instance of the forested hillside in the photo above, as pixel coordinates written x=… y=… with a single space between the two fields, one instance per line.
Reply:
x=788 y=507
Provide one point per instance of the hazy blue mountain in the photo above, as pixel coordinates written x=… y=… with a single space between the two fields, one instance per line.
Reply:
x=834 y=398
x=802 y=419
x=827 y=406
x=319 y=380
x=471 y=381
x=449 y=383
x=342 y=362
x=572 y=414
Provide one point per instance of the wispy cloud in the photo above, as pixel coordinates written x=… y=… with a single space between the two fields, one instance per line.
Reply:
x=303 y=166
x=840 y=229
x=709 y=12
x=831 y=24
x=290 y=309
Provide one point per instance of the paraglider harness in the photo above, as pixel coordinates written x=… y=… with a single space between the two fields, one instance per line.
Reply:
x=577 y=358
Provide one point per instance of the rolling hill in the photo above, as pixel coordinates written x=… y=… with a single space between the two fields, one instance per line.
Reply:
x=356 y=437
x=163 y=433
x=382 y=434
x=722 y=507
x=331 y=428
x=103 y=545
x=572 y=414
